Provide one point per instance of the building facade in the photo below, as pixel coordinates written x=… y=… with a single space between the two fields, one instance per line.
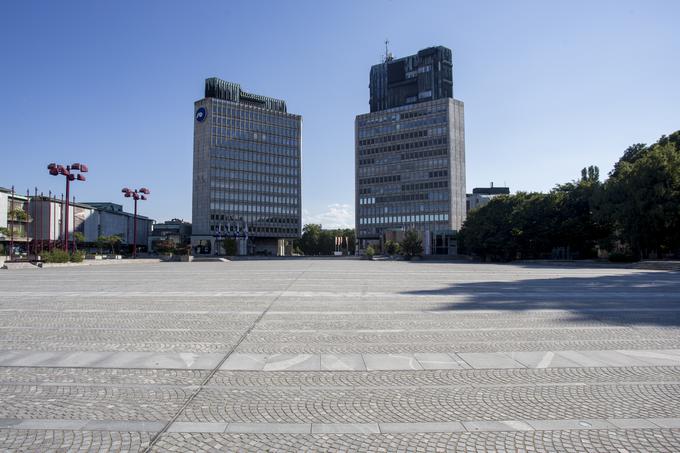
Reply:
x=482 y=195
x=246 y=172
x=42 y=224
x=175 y=230
x=410 y=153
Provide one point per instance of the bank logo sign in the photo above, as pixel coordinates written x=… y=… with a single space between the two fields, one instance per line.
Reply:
x=200 y=114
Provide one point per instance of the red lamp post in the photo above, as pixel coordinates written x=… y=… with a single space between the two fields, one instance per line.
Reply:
x=135 y=195
x=69 y=172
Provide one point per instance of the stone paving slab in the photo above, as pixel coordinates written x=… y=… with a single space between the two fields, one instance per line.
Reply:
x=345 y=428
x=150 y=360
x=619 y=441
x=292 y=362
x=188 y=427
x=270 y=428
x=432 y=427
x=341 y=428
x=239 y=361
x=391 y=362
x=489 y=360
x=340 y=362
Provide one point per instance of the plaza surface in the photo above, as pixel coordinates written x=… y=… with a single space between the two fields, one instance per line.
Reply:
x=339 y=355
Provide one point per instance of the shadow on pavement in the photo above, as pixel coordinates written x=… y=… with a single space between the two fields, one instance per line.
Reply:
x=651 y=298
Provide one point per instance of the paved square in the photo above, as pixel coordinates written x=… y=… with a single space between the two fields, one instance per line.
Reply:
x=339 y=354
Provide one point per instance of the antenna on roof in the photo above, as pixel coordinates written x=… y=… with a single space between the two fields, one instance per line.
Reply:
x=388 y=54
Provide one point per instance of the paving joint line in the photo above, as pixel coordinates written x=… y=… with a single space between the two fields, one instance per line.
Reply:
x=195 y=393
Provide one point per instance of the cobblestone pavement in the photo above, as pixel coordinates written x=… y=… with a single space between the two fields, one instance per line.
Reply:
x=339 y=355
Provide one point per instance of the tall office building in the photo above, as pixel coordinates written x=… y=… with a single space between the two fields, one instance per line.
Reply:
x=246 y=175
x=410 y=153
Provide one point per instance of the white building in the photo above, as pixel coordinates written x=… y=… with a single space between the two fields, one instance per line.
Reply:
x=44 y=221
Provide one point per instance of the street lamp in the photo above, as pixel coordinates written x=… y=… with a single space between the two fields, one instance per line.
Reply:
x=69 y=172
x=135 y=195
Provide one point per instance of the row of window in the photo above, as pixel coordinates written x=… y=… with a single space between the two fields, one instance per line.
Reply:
x=393 y=198
x=238 y=208
x=402 y=198
x=252 y=197
x=220 y=134
x=404 y=146
x=393 y=138
x=226 y=108
x=405 y=168
x=380 y=179
x=438 y=173
x=249 y=171
x=233 y=223
x=263 y=128
x=427 y=153
x=420 y=70
x=403 y=208
x=257 y=230
x=367 y=133
x=250 y=147
x=397 y=113
x=245 y=156
x=401 y=219
x=274 y=188
x=424 y=185
x=409 y=145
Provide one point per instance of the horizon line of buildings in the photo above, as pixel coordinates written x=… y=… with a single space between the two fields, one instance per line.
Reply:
x=409 y=162
x=247 y=164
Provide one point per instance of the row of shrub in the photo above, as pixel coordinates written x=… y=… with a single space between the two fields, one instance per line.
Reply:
x=61 y=256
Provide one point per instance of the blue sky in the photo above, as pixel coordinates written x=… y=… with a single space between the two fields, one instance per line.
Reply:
x=549 y=87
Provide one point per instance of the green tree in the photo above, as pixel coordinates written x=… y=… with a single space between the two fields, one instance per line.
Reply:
x=488 y=231
x=309 y=242
x=411 y=245
x=317 y=241
x=370 y=251
x=165 y=246
x=230 y=246
x=79 y=237
x=111 y=242
x=392 y=247
x=642 y=199
x=18 y=214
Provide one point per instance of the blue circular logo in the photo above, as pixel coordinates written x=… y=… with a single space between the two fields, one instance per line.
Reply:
x=200 y=114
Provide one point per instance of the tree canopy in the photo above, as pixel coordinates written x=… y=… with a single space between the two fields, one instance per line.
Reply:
x=635 y=211
x=317 y=241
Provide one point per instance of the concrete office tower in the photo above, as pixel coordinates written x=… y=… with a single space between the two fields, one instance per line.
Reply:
x=246 y=176
x=410 y=153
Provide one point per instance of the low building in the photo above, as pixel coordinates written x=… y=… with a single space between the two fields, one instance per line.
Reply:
x=482 y=195
x=111 y=220
x=37 y=222
x=175 y=230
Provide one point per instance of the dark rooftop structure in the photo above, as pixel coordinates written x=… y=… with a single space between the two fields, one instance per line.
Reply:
x=491 y=190
x=229 y=91
x=425 y=76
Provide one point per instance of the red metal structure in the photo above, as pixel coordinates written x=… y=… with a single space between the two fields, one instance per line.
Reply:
x=72 y=172
x=11 y=229
x=135 y=195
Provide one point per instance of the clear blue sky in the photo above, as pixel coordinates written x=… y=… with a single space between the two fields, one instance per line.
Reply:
x=549 y=87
